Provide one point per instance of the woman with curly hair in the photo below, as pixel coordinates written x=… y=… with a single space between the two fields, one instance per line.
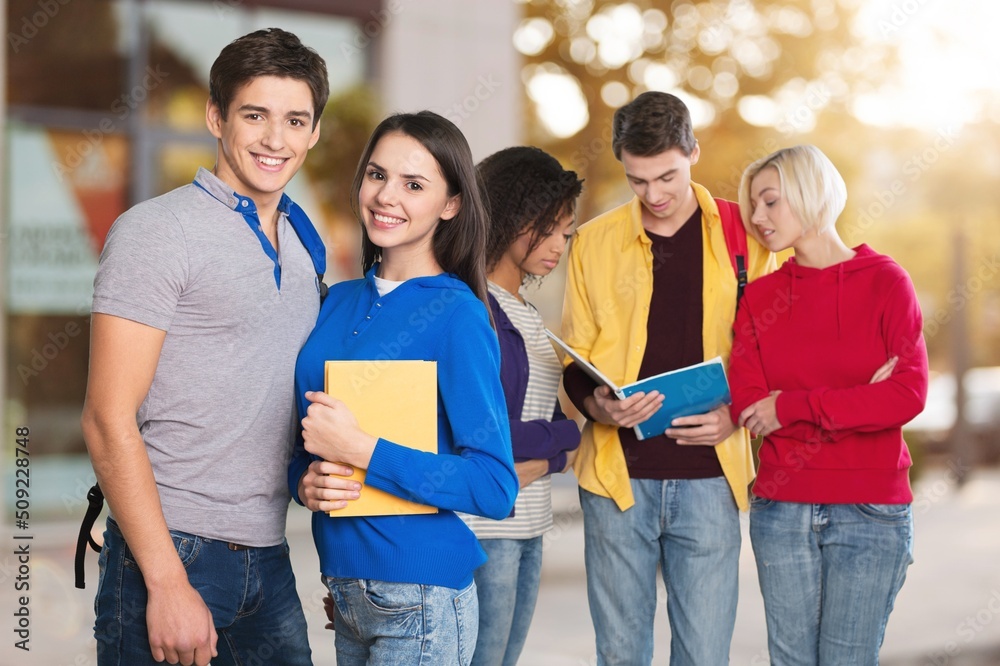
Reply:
x=532 y=202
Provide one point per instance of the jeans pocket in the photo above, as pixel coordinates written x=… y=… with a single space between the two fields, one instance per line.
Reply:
x=885 y=513
x=467 y=614
x=187 y=545
x=759 y=503
x=102 y=567
x=393 y=598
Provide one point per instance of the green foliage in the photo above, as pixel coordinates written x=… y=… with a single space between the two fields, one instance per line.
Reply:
x=346 y=123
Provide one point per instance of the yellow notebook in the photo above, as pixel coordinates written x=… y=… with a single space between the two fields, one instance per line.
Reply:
x=394 y=400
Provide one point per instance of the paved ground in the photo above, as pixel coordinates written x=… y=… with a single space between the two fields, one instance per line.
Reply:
x=948 y=613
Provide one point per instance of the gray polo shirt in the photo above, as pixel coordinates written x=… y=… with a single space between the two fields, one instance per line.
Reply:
x=219 y=419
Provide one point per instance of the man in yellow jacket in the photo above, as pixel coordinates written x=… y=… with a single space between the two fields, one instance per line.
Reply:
x=651 y=288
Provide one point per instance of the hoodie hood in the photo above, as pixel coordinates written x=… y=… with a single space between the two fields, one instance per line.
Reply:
x=804 y=277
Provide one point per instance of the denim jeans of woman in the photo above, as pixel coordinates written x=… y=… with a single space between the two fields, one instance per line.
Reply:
x=829 y=574
x=380 y=623
x=508 y=589
x=691 y=529
x=250 y=593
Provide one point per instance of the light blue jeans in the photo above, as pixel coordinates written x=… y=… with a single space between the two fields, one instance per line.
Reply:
x=508 y=589
x=379 y=623
x=829 y=574
x=691 y=529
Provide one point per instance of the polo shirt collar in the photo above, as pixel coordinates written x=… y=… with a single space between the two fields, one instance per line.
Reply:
x=211 y=183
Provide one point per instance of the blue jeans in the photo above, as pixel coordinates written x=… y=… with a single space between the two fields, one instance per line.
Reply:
x=378 y=623
x=508 y=589
x=691 y=528
x=829 y=574
x=250 y=593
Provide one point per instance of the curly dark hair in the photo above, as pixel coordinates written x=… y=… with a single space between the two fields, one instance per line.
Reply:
x=526 y=189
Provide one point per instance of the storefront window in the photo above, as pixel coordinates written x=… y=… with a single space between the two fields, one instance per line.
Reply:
x=106 y=107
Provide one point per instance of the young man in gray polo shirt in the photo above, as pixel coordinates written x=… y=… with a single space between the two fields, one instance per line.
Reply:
x=202 y=300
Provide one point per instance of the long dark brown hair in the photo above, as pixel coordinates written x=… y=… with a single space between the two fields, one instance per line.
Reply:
x=459 y=243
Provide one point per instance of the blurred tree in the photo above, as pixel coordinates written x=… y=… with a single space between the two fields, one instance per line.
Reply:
x=347 y=121
x=744 y=69
x=758 y=76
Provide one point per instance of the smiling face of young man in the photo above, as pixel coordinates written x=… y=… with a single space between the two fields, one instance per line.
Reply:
x=663 y=184
x=265 y=138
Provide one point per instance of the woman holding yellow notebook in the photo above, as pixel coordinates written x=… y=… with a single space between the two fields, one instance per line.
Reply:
x=402 y=585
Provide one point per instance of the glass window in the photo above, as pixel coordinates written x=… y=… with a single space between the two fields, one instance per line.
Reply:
x=107 y=108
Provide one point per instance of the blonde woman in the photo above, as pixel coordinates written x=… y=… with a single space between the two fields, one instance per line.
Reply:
x=828 y=364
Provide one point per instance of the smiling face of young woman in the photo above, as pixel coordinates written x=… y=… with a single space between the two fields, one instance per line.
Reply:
x=403 y=197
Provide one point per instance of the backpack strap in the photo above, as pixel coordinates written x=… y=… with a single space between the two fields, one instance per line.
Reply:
x=307 y=233
x=736 y=242
x=95 y=499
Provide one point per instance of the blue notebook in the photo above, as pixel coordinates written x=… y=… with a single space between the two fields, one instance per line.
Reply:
x=696 y=389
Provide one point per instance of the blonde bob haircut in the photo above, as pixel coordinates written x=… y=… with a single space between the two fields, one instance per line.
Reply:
x=812 y=186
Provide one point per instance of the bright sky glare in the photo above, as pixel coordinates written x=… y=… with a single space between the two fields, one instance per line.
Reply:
x=949 y=57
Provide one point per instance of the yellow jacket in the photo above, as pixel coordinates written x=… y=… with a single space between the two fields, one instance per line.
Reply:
x=609 y=287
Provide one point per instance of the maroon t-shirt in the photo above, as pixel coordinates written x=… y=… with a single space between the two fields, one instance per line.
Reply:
x=674 y=340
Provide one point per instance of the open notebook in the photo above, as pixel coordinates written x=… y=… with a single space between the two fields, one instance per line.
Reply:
x=696 y=389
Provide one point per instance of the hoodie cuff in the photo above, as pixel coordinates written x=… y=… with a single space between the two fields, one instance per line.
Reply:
x=792 y=406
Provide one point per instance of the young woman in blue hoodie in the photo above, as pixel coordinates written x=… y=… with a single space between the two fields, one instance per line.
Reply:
x=402 y=586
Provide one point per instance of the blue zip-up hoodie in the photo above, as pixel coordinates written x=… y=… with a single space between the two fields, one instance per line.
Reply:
x=430 y=319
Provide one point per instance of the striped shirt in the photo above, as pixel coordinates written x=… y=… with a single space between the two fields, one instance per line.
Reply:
x=533 y=508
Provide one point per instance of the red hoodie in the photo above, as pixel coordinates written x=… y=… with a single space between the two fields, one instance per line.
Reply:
x=818 y=336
